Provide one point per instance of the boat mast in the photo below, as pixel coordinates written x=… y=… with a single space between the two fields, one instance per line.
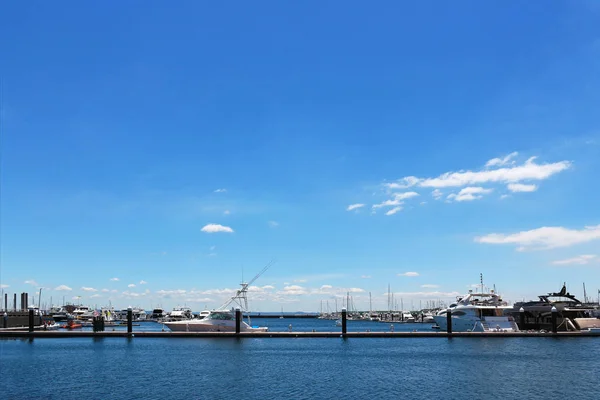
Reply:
x=585 y=299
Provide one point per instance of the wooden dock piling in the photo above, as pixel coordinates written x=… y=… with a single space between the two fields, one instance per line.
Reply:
x=449 y=322
x=31 y=319
x=129 y=320
x=238 y=320
x=344 y=322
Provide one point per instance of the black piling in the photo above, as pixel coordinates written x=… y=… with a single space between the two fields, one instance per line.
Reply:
x=344 y=327
x=554 y=320
x=15 y=302
x=522 y=318
x=5 y=320
x=238 y=321
x=449 y=322
x=31 y=320
x=26 y=305
x=129 y=320
x=5 y=301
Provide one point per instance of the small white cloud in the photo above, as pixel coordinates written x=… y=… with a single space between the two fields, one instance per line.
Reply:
x=393 y=211
x=504 y=196
x=114 y=279
x=268 y=287
x=423 y=203
x=403 y=183
x=469 y=194
x=430 y=286
x=498 y=162
x=95 y=296
x=354 y=206
x=4 y=286
x=294 y=290
x=221 y=190
x=63 y=288
x=226 y=212
x=88 y=289
x=409 y=274
x=437 y=194
x=365 y=276
x=114 y=291
x=521 y=187
x=32 y=283
x=580 y=260
x=273 y=224
x=300 y=280
x=105 y=290
x=142 y=282
x=324 y=287
x=131 y=285
x=543 y=238
x=214 y=228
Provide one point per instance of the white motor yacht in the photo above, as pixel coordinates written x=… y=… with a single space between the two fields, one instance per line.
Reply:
x=180 y=314
x=408 y=317
x=83 y=312
x=59 y=314
x=478 y=312
x=215 y=321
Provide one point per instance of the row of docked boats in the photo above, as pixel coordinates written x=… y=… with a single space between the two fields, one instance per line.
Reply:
x=488 y=312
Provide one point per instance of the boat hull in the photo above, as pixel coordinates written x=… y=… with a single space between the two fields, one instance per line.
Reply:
x=213 y=326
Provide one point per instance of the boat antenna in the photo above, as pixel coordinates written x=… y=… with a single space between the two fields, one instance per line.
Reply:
x=240 y=298
x=481 y=281
x=585 y=300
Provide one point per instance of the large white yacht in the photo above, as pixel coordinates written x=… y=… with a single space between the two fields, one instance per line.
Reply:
x=215 y=321
x=83 y=312
x=478 y=312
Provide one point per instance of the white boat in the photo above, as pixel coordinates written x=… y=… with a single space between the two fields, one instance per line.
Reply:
x=222 y=319
x=428 y=318
x=180 y=314
x=59 y=314
x=203 y=314
x=83 y=312
x=215 y=321
x=478 y=312
x=407 y=317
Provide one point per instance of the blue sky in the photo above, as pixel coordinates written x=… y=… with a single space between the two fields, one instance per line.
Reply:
x=413 y=145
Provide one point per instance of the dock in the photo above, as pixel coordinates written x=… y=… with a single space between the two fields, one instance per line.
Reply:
x=267 y=335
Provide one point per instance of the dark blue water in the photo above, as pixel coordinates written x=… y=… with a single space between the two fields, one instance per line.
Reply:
x=430 y=368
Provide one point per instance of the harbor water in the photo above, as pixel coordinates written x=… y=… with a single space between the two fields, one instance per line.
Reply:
x=435 y=368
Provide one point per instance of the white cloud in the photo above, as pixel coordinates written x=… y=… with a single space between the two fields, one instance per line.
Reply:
x=354 y=206
x=469 y=193
x=397 y=200
x=268 y=287
x=498 y=162
x=142 y=282
x=528 y=171
x=88 y=289
x=393 y=211
x=32 y=282
x=580 y=260
x=273 y=224
x=213 y=228
x=355 y=290
x=410 y=274
x=431 y=295
x=95 y=296
x=221 y=190
x=131 y=285
x=430 y=286
x=114 y=279
x=4 y=286
x=521 y=187
x=437 y=194
x=62 y=288
x=325 y=287
x=226 y=212
x=300 y=280
x=294 y=290
x=105 y=290
x=403 y=183
x=544 y=238
x=512 y=174
x=504 y=196
x=365 y=276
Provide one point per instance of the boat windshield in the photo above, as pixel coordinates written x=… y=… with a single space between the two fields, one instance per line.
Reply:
x=220 y=316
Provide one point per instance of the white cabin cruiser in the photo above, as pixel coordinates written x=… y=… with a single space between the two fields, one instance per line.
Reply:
x=478 y=312
x=215 y=321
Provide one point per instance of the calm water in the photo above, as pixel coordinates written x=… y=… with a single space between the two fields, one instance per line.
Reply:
x=149 y=368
